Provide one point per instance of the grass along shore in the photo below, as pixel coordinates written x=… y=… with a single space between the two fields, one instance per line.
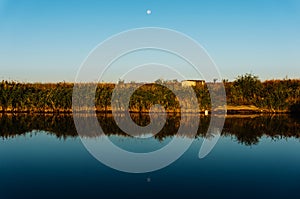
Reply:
x=247 y=94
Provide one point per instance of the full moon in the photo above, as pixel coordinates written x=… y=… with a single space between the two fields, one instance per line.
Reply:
x=149 y=12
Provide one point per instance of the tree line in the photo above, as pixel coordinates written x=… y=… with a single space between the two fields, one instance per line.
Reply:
x=270 y=96
x=273 y=95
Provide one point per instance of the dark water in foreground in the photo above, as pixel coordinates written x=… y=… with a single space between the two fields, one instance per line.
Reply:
x=256 y=157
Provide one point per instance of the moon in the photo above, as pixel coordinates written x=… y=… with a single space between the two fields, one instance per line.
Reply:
x=149 y=12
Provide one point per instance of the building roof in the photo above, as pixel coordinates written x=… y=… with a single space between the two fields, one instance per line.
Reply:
x=194 y=80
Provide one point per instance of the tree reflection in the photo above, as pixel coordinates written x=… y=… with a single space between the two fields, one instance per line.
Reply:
x=245 y=130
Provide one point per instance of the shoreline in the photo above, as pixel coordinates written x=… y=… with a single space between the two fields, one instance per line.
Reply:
x=231 y=110
x=268 y=97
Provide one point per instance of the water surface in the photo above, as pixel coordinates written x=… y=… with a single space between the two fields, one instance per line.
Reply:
x=256 y=157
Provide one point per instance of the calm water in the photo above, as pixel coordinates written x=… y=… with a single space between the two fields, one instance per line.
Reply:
x=256 y=157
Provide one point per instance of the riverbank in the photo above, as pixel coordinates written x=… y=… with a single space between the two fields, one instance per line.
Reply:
x=251 y=109
x=230 y=110
x=245 y=95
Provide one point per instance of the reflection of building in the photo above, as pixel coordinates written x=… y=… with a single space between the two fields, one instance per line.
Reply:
x=192 y=83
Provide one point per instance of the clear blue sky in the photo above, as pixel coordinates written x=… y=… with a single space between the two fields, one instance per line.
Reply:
x=48 y=40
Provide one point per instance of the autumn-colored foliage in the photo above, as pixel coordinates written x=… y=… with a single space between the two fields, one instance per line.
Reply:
x=271 y=95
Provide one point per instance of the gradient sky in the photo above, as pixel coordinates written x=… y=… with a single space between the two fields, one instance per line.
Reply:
x=48 y=40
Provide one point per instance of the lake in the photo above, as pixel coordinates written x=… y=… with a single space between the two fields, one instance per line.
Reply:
x=256 y=157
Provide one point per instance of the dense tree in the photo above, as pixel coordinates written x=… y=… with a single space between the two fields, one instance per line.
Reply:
x=272 y=95
x=247 y=88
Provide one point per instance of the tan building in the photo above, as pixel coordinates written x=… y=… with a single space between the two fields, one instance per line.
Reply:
x=186 y=83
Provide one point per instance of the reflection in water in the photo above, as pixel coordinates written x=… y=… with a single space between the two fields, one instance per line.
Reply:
x=246 y=130
x=50 y=165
